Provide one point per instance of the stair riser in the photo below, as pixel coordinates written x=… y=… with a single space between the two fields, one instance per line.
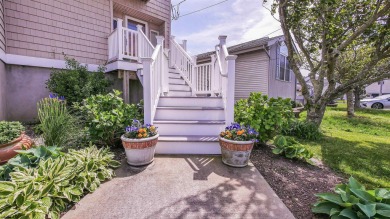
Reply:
x=174 y=75
x=179 y=87
x=179 y=94
x=168 y=147
x=202 y=102
x=177 y=114
x=176 y=81
x=189 y=129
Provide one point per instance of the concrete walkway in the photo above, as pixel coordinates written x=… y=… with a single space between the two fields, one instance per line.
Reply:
x=183 y=187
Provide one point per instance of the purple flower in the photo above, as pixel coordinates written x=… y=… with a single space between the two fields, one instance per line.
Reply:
x=53 y=95
x=131 y=129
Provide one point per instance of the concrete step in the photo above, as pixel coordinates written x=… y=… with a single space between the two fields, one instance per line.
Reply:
x=191 y=101
x=176 y=81
x=190 y=127
x=180 y=87
x=179 y=93
x=189 y=113
x=188 y=144
x=174 y=75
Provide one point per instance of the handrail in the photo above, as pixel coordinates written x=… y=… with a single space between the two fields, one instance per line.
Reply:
x=219 y=61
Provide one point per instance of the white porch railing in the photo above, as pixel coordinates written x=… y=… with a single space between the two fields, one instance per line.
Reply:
x=155 y=79
x=214 y=78
x=124 y=43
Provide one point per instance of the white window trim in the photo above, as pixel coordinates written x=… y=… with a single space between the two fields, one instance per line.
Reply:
x=278 y=69
x=140 y=21
x=158 y=32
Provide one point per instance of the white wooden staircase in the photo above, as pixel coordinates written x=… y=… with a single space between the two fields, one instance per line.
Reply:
x=189 y=103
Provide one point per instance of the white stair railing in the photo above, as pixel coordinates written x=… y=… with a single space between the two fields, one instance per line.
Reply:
x=226 y=67
x=125 y=43
x=199 y=77
x=155 y=79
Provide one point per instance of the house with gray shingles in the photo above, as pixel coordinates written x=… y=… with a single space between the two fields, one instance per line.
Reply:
x=189 y=102
x=261 y=66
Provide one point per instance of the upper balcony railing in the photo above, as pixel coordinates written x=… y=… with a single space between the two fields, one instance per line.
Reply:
x=125 y=43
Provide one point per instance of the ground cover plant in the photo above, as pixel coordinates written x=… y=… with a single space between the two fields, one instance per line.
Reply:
x=302 y=130
x=357 y=146
x=10 y=131
x=56 y=183
x=28 y=159
x=106 y=116
x=352 y=200
x=266 y=115
x=76 y=83
x=291 y=148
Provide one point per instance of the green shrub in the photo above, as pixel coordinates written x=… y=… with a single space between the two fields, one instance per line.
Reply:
x=49 y=189
x=28 y=159
x=76 y=83
x=106 y=117
x=9 y=131
x=291 y=148
x=57 y=125
x=352 y=200
x=266 y=115
x=302 y=129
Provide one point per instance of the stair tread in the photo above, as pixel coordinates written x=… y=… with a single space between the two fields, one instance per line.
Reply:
x=190 y=107
x=169 y=121
x=190 y=138
x=179 y=90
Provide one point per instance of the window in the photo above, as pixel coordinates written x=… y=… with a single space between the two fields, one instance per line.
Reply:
x=114 y=24
x=132 y=23
x=153 y=38
x=283 y=70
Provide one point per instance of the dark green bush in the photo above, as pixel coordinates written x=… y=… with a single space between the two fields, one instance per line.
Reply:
x=266 y=115
x=291 y=148
x=352 y=200
x=303 y=130
x=9 y=131
x=58 y=127
x=56 y=183
x=106 y=117
x=76 y=83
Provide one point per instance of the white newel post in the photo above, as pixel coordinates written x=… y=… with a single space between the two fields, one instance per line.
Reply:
x=120 y=38
x=231 y=80
x=194 y=73
x=139 y=43
x=164 y=73
x=147 y=79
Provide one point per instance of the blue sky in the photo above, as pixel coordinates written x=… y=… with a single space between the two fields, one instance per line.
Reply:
x=240 y=20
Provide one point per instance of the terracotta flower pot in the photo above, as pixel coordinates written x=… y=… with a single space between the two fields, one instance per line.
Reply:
x=235 y=153
x=7 y=151
x=140 y=152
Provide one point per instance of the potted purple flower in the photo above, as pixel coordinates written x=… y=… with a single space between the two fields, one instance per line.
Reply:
x=140 y=143
x=236 y=144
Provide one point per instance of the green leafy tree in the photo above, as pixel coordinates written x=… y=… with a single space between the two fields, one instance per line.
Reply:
x=76 y=83
x=324 y=30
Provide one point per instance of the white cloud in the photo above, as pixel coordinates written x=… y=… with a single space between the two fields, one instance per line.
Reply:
x=240 y=20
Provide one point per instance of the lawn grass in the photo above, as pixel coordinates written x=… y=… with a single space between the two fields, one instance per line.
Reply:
x=358 y=146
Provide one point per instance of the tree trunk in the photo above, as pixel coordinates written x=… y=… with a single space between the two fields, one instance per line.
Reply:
x=315 y=113
x=350 y=106
x=357 y=92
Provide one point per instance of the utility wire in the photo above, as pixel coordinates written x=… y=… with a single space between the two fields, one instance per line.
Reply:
x=179 y=16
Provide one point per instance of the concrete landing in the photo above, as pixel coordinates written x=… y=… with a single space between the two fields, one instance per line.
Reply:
x=183 y=187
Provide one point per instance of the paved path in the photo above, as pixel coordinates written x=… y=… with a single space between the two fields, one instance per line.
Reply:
x=183 y=187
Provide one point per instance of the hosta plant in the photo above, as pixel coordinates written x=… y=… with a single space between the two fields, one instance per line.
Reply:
x=55 y=184
x=10 y=131
x=291 y=148
x=29 y=159
x=353 y=201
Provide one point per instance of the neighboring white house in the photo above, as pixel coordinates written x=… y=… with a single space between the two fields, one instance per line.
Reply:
x=378 y=88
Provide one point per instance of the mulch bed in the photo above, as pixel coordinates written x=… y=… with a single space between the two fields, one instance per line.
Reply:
x=294 y=181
